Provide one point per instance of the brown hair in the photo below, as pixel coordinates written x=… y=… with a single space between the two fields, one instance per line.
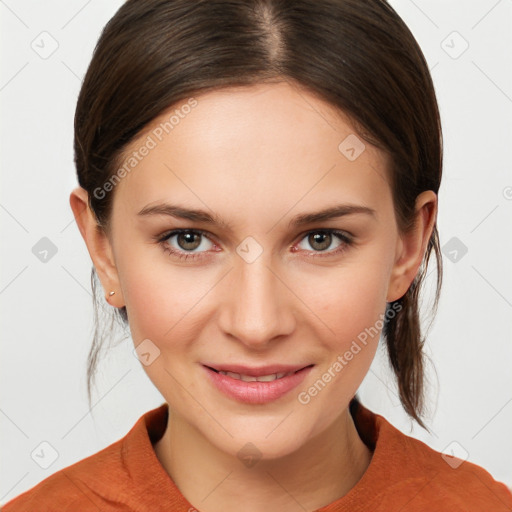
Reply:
x=357 y=55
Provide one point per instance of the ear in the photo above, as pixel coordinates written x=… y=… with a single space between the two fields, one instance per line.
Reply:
x=98 y=244
x=411 y=246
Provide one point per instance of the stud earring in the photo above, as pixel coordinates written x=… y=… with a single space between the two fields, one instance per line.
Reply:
x=111 y=293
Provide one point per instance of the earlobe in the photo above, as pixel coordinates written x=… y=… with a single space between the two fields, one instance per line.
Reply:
x=98 y=245
x=411 y=246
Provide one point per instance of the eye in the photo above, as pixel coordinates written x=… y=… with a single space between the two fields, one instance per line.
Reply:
x=186 y=241
x=321 y=240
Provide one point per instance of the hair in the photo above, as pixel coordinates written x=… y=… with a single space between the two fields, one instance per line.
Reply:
x=359 y=56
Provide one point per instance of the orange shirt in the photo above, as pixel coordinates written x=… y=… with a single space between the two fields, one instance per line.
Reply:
x=404 y=474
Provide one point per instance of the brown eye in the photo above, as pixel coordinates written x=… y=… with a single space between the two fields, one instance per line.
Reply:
x=188 y=241
x=322 y=240
x=185 y=244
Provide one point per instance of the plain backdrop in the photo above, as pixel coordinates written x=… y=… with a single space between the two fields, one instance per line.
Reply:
x=46 y=306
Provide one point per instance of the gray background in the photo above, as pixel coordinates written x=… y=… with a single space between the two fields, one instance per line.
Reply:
x=46 y=307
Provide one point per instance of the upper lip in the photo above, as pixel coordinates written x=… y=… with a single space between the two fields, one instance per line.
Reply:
x=256 y=371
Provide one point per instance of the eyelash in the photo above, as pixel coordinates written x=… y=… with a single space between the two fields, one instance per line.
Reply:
x=342 y=236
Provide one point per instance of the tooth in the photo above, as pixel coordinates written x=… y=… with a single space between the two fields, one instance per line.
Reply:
x=247 y=378
x=267 y=378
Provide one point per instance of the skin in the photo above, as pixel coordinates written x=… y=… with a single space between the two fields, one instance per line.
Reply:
x=256 y=157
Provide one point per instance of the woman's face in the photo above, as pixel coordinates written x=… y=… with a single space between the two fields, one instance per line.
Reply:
x=255 y=283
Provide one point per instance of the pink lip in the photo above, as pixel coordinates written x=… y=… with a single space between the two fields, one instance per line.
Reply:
x=256 y=392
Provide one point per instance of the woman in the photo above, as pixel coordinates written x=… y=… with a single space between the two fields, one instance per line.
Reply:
x=258 y=194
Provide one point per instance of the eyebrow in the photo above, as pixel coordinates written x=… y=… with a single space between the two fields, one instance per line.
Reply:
x=302 y=219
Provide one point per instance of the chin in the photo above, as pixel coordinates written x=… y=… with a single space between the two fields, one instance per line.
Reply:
x=263 y=443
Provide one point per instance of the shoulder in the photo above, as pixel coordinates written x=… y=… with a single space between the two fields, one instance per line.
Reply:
x=106 y=481
x=73 y=487
x=407 y=474
x=444 y=481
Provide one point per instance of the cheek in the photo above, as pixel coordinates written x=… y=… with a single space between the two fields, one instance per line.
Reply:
x=350 y=299
x=158 y=296
x=354 y=315
x=351 y=310
x=161 y=302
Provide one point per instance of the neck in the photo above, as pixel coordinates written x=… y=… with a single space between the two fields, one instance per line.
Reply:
x=320 y=472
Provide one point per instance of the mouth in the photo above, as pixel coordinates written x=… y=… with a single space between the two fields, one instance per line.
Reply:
x=257 y=375
x=256 y=385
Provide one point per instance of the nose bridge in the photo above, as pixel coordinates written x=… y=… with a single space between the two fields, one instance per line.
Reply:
x=257 y=311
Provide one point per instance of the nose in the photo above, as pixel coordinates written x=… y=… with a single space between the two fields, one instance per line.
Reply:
x=259 y=304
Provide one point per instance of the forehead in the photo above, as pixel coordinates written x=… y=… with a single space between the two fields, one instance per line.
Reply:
x=261 y=144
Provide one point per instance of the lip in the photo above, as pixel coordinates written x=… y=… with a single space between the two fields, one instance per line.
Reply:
x=256 y=392
x=256 y=371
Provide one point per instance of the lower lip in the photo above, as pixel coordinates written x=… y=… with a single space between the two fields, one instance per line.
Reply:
x=256 y=392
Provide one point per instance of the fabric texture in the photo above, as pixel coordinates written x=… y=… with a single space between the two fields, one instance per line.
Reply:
x=404 y=475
